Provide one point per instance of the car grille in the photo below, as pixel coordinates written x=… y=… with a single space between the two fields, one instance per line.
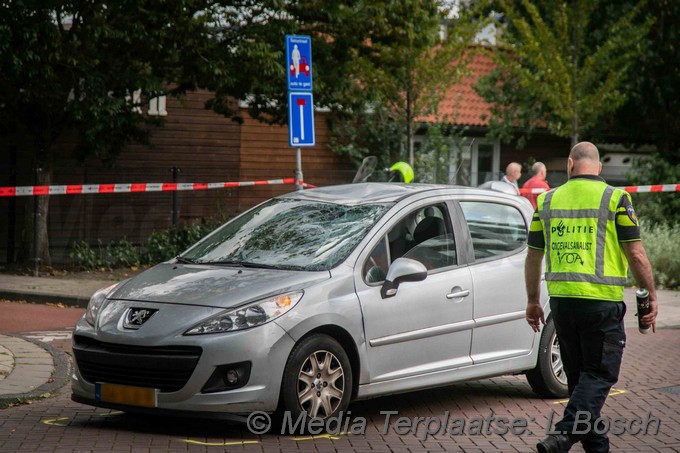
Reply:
x=167 y=368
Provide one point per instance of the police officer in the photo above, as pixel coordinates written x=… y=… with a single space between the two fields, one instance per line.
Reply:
x=401 y=172
x=589 y=234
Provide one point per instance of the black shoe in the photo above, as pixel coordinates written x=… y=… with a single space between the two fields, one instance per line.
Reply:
x=554 y=443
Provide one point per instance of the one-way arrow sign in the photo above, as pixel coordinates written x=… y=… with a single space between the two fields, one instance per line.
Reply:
x=301 y=119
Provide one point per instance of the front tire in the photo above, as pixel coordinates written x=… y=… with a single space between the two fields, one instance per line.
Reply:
x=549 y=379
x=317 y=378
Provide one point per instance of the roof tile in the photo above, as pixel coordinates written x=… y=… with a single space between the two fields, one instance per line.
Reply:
x=461 y=104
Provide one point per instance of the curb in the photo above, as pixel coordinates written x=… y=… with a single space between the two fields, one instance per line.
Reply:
x=44 y=298
x=60 y=375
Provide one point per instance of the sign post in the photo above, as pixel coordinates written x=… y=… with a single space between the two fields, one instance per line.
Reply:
x=300 y=100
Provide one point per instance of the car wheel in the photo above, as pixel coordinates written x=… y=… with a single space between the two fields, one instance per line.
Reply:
x=317 y=379
x=548 y=379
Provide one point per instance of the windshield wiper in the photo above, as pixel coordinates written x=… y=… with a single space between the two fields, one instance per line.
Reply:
x=223 y=263
x=183 y=260
x=260 y=265
x=243 y=264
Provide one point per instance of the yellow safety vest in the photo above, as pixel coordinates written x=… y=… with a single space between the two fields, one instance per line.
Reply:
x=583 y=256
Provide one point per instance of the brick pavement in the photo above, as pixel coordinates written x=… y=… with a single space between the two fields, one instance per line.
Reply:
x=651 y=363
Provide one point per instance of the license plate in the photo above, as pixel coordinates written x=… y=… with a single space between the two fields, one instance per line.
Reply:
x=126 y=394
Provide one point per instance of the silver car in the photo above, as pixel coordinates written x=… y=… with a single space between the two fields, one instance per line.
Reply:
x=320 y=297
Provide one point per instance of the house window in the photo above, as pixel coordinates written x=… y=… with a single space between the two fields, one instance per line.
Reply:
x=135 y=100
x=157 y=106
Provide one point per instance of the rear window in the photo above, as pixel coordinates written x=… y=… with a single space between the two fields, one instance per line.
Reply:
x=496 y=229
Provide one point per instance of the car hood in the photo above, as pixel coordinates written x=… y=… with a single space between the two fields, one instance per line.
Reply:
x=212 y=286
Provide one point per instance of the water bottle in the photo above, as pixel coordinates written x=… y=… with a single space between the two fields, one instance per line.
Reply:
x=643 y=309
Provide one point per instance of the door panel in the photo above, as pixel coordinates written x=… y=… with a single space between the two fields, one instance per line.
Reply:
x=500 y=328
x=419 y=330
x=498 y=235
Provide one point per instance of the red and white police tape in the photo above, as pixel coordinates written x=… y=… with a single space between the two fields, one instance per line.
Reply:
x=629 y=189
x=79 y=189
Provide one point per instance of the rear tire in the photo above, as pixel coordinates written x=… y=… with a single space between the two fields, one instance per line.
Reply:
x=548 y=379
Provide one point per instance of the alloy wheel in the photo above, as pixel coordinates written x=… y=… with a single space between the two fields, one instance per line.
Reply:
x=556 y=360
x=321 y=384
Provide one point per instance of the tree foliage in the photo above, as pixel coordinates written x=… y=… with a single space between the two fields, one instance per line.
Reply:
x=651 y=113
x=70 y=68
x=553 y=73
x=411 y=65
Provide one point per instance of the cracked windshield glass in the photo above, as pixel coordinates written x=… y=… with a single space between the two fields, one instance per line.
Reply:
x=289 y=234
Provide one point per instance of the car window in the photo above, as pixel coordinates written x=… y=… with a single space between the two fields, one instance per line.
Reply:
x=375 y=267
x=496 y=229
x=439 y=251
x=289 y=234
x=423 y=235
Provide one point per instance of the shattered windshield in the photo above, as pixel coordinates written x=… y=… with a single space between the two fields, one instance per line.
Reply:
x=289 y=234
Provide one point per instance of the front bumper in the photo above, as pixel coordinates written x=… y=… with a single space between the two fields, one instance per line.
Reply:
x=266 y=347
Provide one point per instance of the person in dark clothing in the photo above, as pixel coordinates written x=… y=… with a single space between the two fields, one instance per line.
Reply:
x=589 y=235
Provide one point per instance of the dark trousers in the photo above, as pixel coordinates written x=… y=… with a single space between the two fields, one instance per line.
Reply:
x=591 y=336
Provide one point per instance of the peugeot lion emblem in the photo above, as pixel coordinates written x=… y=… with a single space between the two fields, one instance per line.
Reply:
x=135 y=317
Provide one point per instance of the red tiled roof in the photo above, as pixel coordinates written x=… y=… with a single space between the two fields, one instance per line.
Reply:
x=462 y=105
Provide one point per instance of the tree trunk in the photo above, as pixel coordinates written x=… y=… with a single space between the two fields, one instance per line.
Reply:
x=42 y=243
x=34 y=247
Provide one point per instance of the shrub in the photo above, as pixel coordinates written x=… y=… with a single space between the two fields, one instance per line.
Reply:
x=662 y=243
x=165 y=244
x=117 y=254
x=122 y=254
x=83 y=255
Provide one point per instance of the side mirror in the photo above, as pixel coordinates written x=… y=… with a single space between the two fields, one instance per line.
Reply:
x=402 y=270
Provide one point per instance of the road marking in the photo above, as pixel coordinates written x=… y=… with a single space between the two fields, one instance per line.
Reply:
x=48 y=336
x=612 y=392
x=112 y=413
x=55 y=421
x=321 y=436
x=220 y=444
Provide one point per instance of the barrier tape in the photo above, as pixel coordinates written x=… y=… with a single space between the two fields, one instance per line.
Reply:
x=80 y=189
x=629 y=189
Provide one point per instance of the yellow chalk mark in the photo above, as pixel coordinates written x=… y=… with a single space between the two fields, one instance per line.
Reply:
x=612 y=392
x=615 y=392
x=220 y=444
x=111 y=413
x=321 y=436
x=56 y=421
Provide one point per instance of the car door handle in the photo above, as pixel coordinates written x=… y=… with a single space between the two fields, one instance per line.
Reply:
x=457 y=294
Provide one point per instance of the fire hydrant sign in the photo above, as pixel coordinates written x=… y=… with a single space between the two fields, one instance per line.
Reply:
x=299 y=63
x=301 y=119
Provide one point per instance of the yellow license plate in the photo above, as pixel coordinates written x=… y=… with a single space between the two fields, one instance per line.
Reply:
x=126 y=394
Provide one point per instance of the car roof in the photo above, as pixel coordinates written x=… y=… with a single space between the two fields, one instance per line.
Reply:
x=376 y=192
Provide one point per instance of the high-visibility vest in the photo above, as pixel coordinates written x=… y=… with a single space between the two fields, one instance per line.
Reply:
x=583 y=256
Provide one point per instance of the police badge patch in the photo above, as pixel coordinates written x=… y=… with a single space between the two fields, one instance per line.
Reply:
x=631 y=215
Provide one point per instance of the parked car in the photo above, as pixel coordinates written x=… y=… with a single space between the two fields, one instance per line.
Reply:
x=320 y=297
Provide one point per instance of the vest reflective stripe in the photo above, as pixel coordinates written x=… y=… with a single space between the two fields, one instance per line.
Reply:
x=611 y=285
x=584 y=278
x=575 y=213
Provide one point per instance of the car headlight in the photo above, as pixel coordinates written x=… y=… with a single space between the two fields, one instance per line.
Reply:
x=96 y=302
x=251 y=315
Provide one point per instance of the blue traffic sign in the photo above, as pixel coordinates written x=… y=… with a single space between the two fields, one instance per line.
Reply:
x=299 y=63
x=301 y=119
